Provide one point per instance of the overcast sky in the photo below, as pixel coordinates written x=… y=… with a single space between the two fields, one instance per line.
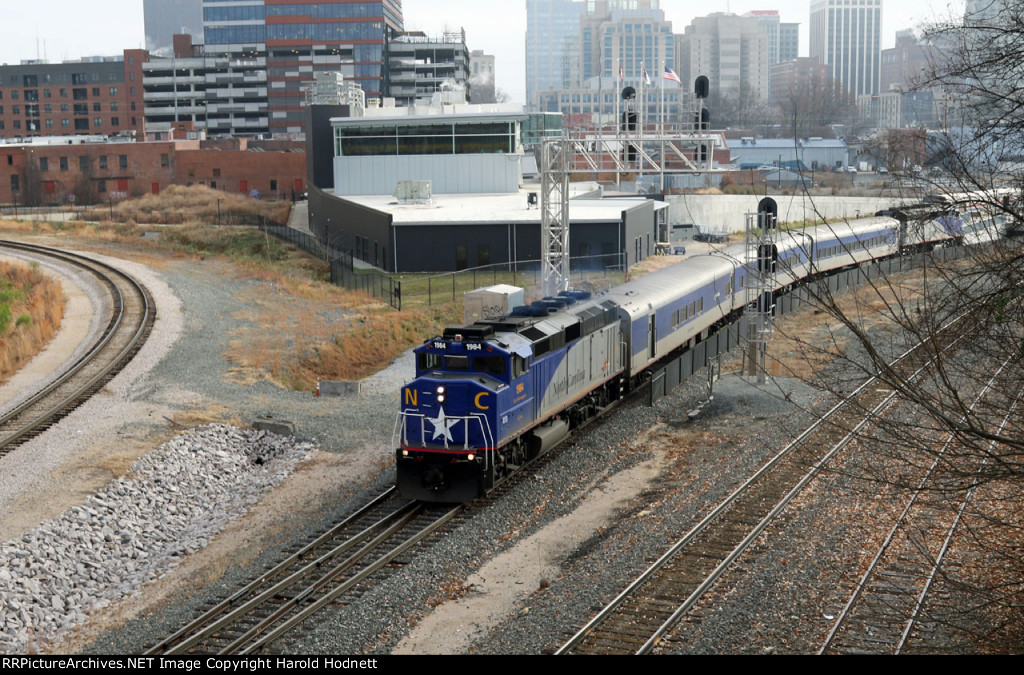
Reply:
x=69 y=29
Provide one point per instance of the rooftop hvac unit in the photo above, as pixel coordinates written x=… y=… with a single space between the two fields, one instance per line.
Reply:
x=414 y=191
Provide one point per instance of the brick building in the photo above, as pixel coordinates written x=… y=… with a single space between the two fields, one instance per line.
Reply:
x=85 y=170
x=100 y=95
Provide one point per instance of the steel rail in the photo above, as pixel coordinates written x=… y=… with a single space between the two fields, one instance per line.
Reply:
x=737 y=494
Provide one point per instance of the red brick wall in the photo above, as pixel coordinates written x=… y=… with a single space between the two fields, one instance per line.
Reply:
x=148 y=166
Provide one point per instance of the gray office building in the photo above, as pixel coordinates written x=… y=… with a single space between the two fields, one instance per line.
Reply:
x=166 y=18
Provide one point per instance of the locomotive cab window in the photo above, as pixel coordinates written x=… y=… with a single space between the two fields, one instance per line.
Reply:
x=428 y=362
x=492 y=365
x=456 y=363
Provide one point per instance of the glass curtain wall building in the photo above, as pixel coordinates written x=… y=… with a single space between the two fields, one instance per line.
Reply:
x=298 y=39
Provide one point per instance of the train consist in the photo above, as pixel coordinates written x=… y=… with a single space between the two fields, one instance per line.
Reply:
x=489 y=397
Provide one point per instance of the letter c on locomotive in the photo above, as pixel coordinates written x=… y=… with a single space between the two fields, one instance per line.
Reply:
x=480 y=405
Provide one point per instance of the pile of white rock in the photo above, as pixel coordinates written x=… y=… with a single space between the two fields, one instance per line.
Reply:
x=171 y=503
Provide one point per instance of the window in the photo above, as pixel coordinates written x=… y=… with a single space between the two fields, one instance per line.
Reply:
x=17 y=124
x=113 y=91
x=64 y=107
x=165 y=161
x=122 y=161
x=15 y=183
x=97 y=122
x=95 y=92
x=65 y=123
x=48 y=107
x=63 y=93
x=49 y=124
x=103 y=161
x=78 y=78
x=47 y=93
x=14 y=94
x=273 y=185
x=101 y=185
x=83 y=163
x=63 y=163
x=133 y=106
x=44 y=164
x=115 y=122
x=80 y=94
x=96 y=107
x=113 y=106
x=16 y=109
x=216 y=173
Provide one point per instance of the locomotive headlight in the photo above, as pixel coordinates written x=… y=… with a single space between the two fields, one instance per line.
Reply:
x=405 y=453
x=440 y=390
x=440 y=399
x=471 y=456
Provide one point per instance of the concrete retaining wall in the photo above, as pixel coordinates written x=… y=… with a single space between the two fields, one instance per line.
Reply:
x=725 y=213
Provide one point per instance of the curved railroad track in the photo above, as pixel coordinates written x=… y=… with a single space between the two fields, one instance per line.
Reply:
x=637 y=620
x=132 y=314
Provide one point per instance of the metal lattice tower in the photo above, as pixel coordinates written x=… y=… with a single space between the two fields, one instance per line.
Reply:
x=614 y=152
x=761 y=263
x=554 y=204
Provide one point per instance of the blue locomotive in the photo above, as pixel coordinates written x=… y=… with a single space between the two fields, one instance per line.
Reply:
x=489 y=397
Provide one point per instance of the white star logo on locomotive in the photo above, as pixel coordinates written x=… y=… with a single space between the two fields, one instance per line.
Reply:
x=443 y=425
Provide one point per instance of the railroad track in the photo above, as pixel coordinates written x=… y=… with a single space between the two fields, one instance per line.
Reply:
x=132 y=314
x=637 y=620
x=338 y=563
x=886 y=604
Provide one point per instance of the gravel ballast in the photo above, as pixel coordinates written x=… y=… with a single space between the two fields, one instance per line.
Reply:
x=172 y=502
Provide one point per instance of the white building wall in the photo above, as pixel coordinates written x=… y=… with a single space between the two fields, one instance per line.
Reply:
x=450 y=174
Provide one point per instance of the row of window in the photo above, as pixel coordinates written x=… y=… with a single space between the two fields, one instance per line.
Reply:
x=76 y=78
x=80 y=93
x=82 y=124
x=687 y=312
x=80 y=108
x=83 y=162
x=50 y=186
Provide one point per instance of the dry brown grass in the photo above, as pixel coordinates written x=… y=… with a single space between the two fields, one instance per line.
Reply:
x=180 y=204
x=296 y=335
x=31 y=311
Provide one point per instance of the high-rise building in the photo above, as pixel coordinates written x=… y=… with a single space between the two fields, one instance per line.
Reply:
x=481 y=77
x=789 y=41
x=625 y=37
x=846 y=36
x=552 y=33
x=418 y=65
x=731 y=50
x=91 y=96
x=769 y=20
x=166 y=18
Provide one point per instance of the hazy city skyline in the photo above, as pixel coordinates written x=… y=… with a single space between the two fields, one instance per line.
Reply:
x=61 y=29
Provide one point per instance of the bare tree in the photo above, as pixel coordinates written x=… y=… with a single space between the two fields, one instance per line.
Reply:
x=979 y=285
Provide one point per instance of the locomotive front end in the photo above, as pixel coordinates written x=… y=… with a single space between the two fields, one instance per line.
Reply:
x=447 y=425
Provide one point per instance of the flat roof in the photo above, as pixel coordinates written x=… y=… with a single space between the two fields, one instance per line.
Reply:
x=473 y=209
x=426 y=118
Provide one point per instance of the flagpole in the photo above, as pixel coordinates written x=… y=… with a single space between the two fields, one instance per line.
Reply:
x=661 y=133
x=640 y=139
x=618 y=124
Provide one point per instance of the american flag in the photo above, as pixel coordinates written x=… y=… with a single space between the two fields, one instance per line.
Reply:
x=671 y=75
x=647 y=78
x=622 y=77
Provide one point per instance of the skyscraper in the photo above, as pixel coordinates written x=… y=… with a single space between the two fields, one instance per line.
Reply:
x=846 y=36
x=552 y=33
x=732 y=51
